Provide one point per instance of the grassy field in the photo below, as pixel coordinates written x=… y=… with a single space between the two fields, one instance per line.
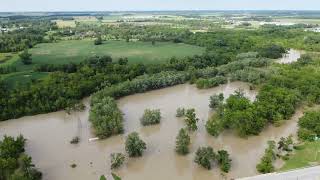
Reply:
x=22 y=77
x=308 y=154
x=4 y=57
x=76 y=51
x=65 y=23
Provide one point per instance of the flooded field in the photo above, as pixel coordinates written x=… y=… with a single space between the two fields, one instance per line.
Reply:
x=49 y=135
x=292 y=56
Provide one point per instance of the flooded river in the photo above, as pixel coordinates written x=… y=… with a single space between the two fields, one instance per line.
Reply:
x=49 y=135
x=292 y=56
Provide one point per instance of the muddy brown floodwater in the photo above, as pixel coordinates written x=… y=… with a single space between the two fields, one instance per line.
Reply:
x=49 y=135
x=292 y=56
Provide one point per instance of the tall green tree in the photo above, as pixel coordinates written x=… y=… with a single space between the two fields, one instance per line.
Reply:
x=182 y=142
x=25 y=57
x=134 y=146
x=191 y=120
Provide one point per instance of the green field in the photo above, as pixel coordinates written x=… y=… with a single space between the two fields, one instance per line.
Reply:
x=5 y=57
x=76 y=51
x=309 y=154
x=22 y=78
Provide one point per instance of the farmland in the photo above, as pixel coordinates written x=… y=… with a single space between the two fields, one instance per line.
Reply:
x=65 y=52
x=158 y=95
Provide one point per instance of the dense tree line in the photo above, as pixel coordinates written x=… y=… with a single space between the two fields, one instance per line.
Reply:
x=69 y=83
x=309 y=126
x=60 y=90
x=142 y=84
x=26 y=36
x=272 y=105
x=164 y=79
x=251 y=75
x=14 y=162
x=212 y=82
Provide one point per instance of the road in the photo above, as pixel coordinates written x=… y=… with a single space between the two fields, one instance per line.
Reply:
x=312 y=173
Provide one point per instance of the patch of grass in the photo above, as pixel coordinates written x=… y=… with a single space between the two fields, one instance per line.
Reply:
x=76 y=51
x=8 y=58
x=305 y=155
x=65 y=23
x=22 y=78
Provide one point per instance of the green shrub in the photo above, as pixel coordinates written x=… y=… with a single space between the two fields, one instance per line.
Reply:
x=306 y=134
x=117 y=160
x=309 y=125
x=216 y=100
x=266 y=162
x=212 y=82
x=150 y=117
x=182 y=142
x=204 y=157
x=224 y=160
x=214 y=126
x=106 y=118
x=134 y=145
x=191 y=120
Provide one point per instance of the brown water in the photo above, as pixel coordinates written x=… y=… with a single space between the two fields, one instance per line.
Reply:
x=291 y=56
x=49 y=135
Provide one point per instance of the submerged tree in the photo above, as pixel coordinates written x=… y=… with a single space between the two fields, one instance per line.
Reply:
x=180 y=112
x=182 y=142
x=191 y=120
x=216 y=100
x=266 y=162
x=224 y=160
x=117 y=160
x=204 y=157
x=102 y=177
x=151 y=117
x=134 y=145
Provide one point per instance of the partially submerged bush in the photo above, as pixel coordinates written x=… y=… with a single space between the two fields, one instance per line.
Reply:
x=224 y=160
x=75 y=140
x=75 y=107
x=204 y=157
x=180 y=112
x=214 y=126
x=212 y=82
x=266 y=162
x=216 y=100
x=117 y=160
x=285 y=144
x=182 y=142
x=191 y=120
x=134 y=145
x=151 y=117
x=106 y=118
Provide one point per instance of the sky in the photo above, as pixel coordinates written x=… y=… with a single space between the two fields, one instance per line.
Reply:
x=149 y=5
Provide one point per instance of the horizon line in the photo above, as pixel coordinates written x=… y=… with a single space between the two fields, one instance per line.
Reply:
x=164 y=10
